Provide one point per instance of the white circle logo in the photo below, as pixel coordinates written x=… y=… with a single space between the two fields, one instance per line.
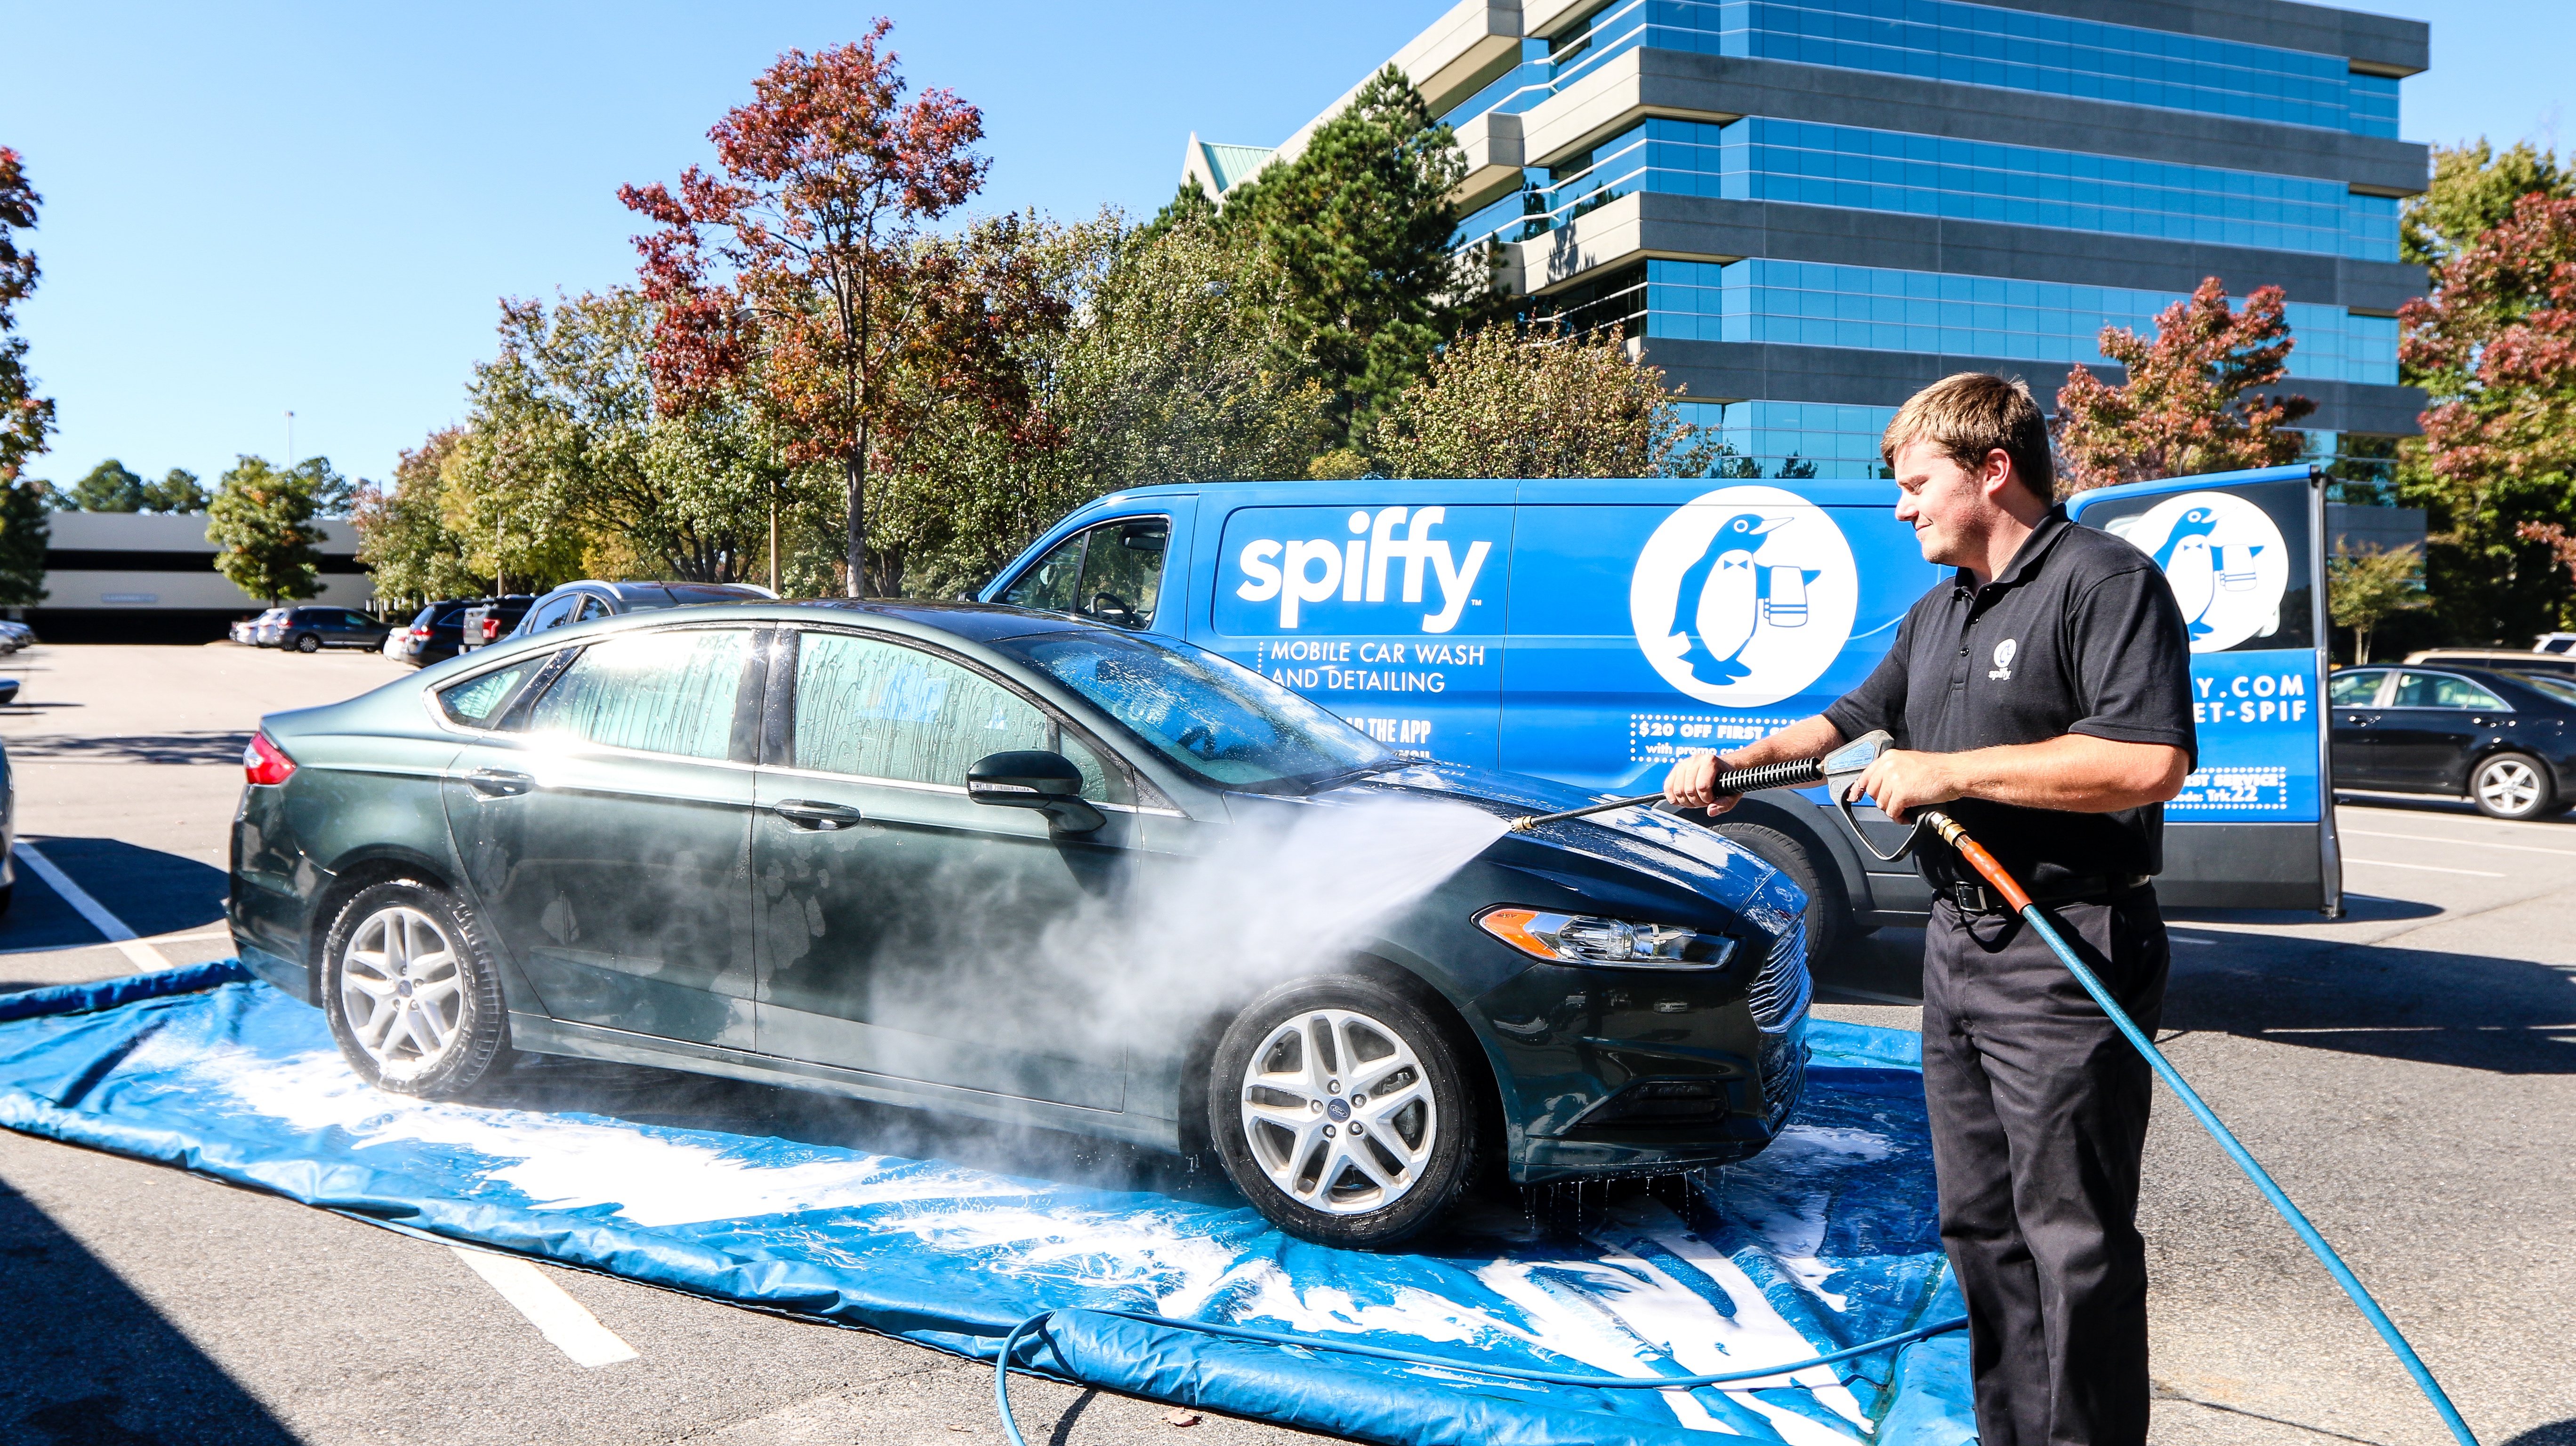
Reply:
x=2004 y=652
x=2224 y=560
x=1744 y=596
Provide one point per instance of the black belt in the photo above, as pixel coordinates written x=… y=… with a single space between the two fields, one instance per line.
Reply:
x=2096 y=889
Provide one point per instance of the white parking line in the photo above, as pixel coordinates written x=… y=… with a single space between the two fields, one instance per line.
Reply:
x=143 y=956
x=2563 y=830
x=2425 y=868
x=2475 y=843
x=557 y=1316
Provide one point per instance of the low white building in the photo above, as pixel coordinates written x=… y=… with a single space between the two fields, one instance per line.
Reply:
x=137 y=577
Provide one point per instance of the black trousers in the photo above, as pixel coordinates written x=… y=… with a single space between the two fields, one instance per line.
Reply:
x=2039 y=1111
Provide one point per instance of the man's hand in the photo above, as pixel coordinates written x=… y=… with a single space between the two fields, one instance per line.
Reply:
x=1687 y=786
x=1902 y=780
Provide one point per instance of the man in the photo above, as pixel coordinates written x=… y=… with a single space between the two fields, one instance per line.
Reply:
x=2042 y=697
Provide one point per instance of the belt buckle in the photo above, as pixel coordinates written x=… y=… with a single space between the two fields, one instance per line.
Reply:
x=1970 y=898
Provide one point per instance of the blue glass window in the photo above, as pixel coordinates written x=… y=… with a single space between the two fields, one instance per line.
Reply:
x=1792 y=439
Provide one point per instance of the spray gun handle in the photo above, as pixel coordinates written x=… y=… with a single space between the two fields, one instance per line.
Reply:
x=1843 y=768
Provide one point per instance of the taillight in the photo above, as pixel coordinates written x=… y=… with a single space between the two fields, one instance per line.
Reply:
x=263 y=763
x=420 y=632
x=491 y=629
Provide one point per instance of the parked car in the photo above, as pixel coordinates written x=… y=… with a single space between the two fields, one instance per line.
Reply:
x=580 y=602
x=2504 y=741
x=311 y=629
x=434 y=634
x=269 y=629
x=851 y=847
x=2554 y=643
x=15 y=635
x=245 y=630
x=2501 y=659
x=490 y=619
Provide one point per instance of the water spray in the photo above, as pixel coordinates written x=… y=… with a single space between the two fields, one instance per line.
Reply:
x=1841 y=769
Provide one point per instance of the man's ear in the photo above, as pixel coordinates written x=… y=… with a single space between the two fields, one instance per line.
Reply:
x=1995 y=475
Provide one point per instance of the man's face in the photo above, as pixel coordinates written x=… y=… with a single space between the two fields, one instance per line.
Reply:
x=1945 y=503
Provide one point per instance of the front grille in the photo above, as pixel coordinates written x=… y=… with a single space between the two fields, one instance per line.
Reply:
x=1779 y=993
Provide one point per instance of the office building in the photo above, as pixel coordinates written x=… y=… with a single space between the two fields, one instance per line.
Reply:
x=1804 y=210
x=144 y=577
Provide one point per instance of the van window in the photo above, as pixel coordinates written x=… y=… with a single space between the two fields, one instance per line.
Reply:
x=1112 y=573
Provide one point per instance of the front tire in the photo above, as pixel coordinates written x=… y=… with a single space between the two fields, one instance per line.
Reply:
x=1829 y=912
x=308 y=643
x=411 y=993
x=1338 y=1109
x=2512 y=786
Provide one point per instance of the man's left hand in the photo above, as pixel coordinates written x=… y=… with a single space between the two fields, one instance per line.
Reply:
x=1901 y=780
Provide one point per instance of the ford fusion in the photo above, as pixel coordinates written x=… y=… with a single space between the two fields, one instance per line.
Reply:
x=1025 y=867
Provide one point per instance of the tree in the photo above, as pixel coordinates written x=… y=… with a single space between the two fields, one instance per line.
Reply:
x=2363 y=589
x=25 y=418
x=108 y=487
x=1500 y=403
x=403 y=537
x=2184 y=409
x=1358 y=228
x=827 y=184
x=261 y=523
x=2495 y=346
x=177 y=492
x=24 y=526
x=2474 y=190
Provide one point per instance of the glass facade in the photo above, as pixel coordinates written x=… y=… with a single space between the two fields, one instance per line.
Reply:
x=1803 y=303
x=1972 y=44
x=1760 y=158
x=1792 y=439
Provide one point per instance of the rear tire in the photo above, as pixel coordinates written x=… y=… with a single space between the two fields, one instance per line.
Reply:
x=1828 y=907
x=413 y=998
x=1281 y=1112
x=2512 y=786
x=309 y=643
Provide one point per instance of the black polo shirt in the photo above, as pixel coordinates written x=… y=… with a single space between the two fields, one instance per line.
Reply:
x=2079 y=635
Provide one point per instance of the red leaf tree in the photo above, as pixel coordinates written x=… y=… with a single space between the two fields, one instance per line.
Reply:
x=800 y=263
x=2184 y=409
x=25 y=418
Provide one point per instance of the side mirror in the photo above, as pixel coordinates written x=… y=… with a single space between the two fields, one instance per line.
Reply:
x=1034 y=778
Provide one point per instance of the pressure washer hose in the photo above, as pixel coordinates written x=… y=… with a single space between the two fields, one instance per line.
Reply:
x=1985 y=864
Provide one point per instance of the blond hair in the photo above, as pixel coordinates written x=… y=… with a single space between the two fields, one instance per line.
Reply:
x=1968 y=415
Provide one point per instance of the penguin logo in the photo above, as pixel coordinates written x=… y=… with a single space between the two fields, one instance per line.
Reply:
x=2225 y=561
x=1743 y=597
x=2004 y=652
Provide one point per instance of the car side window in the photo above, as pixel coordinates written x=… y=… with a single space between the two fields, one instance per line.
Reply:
x=1122 y=572
x=662 y=692
x=554 y=614
x=591 y=607
x=875 y=709
x=2441 y=690
x=2357 y=690
x=477 y=702
x=1055 y=582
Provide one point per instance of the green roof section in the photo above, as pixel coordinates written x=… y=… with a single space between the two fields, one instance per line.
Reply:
x=1229 y=164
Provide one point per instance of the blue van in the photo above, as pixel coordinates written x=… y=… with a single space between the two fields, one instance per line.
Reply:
x=1594 y=631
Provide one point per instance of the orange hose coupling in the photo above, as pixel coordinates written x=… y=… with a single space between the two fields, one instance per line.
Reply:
x=1977 y=857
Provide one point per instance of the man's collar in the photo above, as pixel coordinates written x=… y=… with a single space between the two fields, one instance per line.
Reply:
x=2027 y=557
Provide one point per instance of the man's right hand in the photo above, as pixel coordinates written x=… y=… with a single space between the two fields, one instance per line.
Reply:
x=1689 y=784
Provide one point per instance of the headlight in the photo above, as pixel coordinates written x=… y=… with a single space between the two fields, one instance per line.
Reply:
x=1585 y=939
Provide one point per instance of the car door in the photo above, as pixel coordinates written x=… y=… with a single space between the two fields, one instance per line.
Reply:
x=606 y=832
x=2354 y=698
x=2431 y=726
x=906 y=930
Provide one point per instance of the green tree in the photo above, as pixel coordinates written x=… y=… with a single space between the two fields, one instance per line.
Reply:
x=108 y=487
x=24 y=526
x=1357 y=228
x=25 y=418
x=1502 y=403
x=2473 y=190
x=2366 y=588
x=261 y=523
x=403 y=537
x=2185 y=408
x=177 y=492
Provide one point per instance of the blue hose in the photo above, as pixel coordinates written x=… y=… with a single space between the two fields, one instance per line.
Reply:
x=1010 y=1428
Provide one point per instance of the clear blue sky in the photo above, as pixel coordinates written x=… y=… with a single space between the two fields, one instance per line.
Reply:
x=314 y=208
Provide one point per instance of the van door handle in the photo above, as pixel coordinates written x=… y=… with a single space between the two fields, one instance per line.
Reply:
x=824 y=817
x=499 y=783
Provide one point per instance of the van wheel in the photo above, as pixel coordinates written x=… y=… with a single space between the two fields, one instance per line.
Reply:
x=1337 y=1108
x=1828 y=907
x=412 y=996
x=2512 y=785
x=309 y=643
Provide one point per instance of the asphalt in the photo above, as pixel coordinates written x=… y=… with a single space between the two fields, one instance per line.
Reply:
x=2404 y=1071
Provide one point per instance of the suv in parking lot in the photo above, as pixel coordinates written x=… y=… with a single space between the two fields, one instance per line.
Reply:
x=491 y=619
x=311 y=629
x=434 y=634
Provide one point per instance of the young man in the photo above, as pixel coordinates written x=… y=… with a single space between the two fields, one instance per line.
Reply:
x=2042 y=697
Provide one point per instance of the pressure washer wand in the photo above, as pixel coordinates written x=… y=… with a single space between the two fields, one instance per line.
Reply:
x=1850 y=760
x=1985 y=864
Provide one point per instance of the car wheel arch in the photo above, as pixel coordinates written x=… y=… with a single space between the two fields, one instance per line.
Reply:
x=351 y=876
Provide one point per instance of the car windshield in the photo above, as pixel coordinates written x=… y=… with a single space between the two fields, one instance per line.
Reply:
x=1206 y=714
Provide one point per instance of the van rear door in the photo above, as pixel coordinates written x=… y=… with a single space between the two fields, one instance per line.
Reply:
x=2243 y=551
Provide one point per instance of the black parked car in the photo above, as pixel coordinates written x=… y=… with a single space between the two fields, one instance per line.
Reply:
x=434 y=635
x=581 y=602
x=2505 y=741
x=311 y=629
x=1020 y=866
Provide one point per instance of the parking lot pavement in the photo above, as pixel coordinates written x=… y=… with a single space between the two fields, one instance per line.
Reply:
x=2404 y=1071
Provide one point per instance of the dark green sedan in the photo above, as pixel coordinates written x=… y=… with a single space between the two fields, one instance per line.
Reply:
x=1025 y=867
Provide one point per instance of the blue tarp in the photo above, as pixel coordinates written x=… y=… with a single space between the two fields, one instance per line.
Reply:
x=1824 y=1241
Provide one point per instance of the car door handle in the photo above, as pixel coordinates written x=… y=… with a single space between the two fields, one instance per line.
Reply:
x=499 y=782
x=806 y=813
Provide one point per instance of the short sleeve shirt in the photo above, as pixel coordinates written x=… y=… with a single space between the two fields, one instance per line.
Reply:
x=2080 y=634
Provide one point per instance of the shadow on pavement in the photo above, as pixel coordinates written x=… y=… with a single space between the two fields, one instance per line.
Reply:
x=134 y=748
x=2422 y=1005
x=151 y=891
x=2556 y=1433
x=87 y=1362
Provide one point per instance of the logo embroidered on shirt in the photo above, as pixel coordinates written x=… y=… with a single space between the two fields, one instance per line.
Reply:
x=2003 y=660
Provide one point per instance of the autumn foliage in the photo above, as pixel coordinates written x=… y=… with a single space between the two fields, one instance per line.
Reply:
x=2184 y=410
x=2496 y=344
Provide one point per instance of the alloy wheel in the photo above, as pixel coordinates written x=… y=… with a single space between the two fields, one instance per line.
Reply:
x=2509 y=787
x=1337 y=1111
x=402 y=991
